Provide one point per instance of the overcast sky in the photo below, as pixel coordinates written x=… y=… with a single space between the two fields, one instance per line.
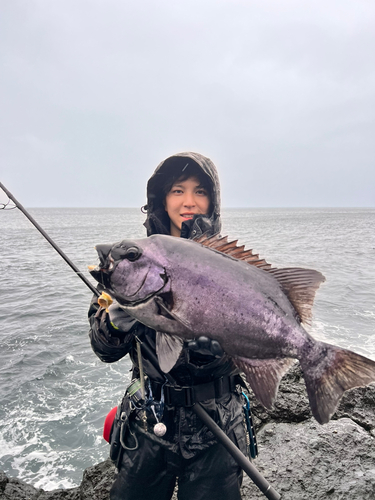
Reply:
x=279 y=94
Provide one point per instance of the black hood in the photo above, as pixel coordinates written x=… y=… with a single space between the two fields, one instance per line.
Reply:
x=157 y=221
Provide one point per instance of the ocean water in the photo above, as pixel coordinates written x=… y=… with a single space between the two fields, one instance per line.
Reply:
x=55 y=393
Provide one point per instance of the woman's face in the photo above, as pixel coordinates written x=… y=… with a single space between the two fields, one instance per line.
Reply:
x=184 y=200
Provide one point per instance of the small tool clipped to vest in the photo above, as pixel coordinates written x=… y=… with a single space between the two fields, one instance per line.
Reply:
x=142 y=380
x=250 y=437
x=159 y=428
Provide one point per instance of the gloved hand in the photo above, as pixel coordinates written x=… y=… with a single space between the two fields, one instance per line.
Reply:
x=112 y=324
x=109 y=344
x=119 y=319
x=206 y=347
x=197 y=226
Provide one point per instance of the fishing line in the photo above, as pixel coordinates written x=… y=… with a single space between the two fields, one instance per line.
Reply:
x=48 y=238
x=4 y=206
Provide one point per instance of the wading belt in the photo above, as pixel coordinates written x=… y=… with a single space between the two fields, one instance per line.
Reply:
x=188 y=395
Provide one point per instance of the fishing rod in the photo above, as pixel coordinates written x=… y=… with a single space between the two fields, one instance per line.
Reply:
x=198 y=409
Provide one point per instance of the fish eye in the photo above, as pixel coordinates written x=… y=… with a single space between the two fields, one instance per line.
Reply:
x=133 y=253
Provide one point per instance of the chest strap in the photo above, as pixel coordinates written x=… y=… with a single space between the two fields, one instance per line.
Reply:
x=189 y=395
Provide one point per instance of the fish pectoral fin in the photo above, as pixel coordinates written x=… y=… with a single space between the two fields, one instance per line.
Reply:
x=263 y=376
x=168 y=350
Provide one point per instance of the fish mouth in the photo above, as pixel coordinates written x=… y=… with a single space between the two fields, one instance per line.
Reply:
x=107 y=263
x=102 y=271
x=116 y=261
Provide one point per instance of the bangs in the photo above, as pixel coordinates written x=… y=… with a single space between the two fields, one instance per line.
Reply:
x=189 y=170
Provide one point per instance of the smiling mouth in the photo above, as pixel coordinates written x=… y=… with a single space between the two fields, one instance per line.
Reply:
x=187 y=216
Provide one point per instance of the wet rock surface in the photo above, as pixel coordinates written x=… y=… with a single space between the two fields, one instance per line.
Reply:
x=307 y=460
x=301 y=459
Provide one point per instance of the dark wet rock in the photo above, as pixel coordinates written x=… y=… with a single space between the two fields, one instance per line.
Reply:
x=70 y=494
x=311 y=461
x=12 y=488
x=359 y=405
x=301 y=459
x=97 y=481
x=292 y=404
x=95 y=485
x=304 y=460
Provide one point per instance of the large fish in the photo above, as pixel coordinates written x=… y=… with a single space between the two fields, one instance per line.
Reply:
x=184 y=289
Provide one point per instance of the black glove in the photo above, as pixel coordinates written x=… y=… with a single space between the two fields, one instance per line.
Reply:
x=198 y=225
x=114 y=325
x=119 y=319
x=206 y=347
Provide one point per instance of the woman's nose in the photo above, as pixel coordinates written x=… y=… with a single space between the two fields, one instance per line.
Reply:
x=189 y=200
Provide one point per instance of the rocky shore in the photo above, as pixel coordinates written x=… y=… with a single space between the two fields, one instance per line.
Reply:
x=301 y=459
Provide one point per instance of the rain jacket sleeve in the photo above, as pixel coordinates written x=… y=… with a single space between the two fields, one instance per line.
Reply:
x=108 y=343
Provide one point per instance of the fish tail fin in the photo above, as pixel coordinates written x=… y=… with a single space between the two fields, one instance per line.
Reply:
x=329 y=371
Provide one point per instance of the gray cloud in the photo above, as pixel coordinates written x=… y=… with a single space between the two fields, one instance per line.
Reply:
x=279 y=94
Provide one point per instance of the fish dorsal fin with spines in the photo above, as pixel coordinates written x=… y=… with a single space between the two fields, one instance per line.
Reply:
x=221 y=244
x=298 y=284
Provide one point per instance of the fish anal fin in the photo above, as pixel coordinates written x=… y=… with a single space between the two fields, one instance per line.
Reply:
x=263 y=376
x=300 y=286
x=168 y=350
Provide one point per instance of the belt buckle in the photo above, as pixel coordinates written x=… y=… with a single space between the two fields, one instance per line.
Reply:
x=189 y=396
x=179 y=396
x=219 y=387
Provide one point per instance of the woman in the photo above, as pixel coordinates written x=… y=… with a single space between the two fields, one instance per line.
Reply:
x=183 y=200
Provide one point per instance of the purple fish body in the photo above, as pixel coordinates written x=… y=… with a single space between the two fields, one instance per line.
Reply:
x=183 y=289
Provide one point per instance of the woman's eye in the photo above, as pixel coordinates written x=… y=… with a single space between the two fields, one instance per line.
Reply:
x=201 y=192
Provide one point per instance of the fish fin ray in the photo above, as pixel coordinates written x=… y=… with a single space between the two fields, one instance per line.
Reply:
x=168 y=350
x=221 y=244
x=263 y=376
x=331 y=372
x=300 y=286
